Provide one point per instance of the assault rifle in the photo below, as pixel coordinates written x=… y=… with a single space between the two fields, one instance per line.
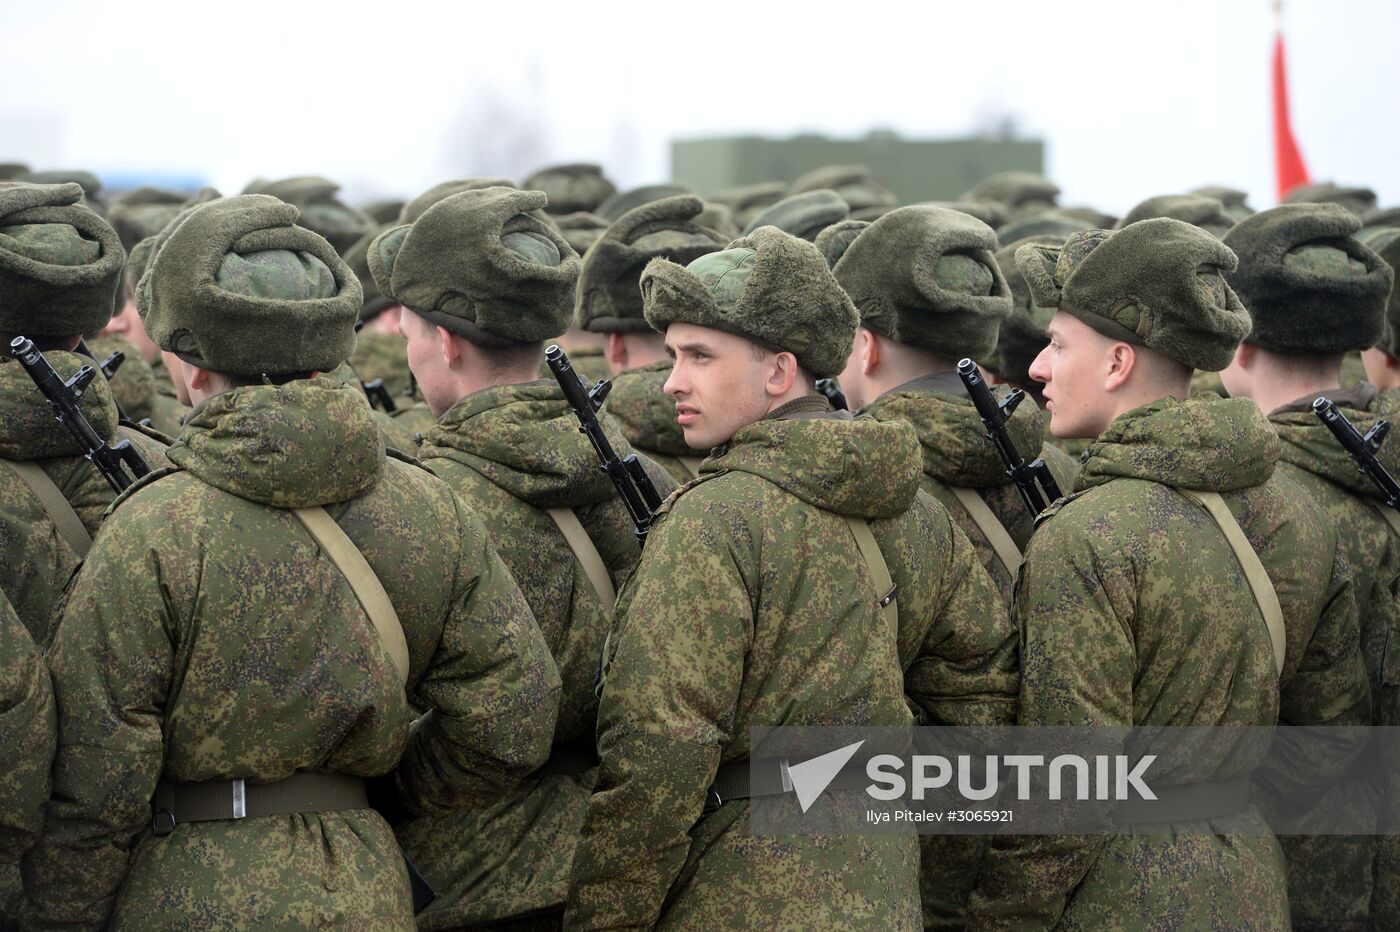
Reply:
x=1033 y=480
x=833 y=393
x=1362 y=447
x=379 y=396
x=632 y=481
x=65 y=398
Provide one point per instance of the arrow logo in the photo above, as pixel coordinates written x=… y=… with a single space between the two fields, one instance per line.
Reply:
x=811 y=777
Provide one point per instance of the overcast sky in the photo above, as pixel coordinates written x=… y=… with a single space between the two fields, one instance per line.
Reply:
x=1132 y=99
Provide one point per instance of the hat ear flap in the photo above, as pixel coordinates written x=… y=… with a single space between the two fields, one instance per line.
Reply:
x=383 y=252
x=1037 y=264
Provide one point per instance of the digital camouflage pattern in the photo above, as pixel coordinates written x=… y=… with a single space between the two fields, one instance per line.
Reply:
x=752 y=606
x=382 y=356
x=1330 y=878
x=1134 y=611
x=414 y=418
x=395 y=434
x=510 y=452
x=35 y=560
x=647 y=416
x=208 y=637
x=134 y=385
x=26 y=750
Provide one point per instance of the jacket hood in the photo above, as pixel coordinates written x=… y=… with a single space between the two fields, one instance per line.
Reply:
x=955 y=447
x=1206 y=442
x=526 y=439
x=28 y=429
x=306 y=443
x=1309 y=445
x=859 y=467
x=646 y=414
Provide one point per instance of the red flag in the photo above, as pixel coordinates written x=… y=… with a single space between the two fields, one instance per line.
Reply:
x=1287 y=159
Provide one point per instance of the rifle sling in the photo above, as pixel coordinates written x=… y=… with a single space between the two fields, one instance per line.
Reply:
x=363 y=582
x=1390 y=515
x=60 y=511
x=586 y=553
x=885 y=589
x=992 y=529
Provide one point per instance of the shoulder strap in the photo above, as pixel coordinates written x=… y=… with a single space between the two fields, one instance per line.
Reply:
x=60 y=511
x=992 y=529
x=1264 y=595
x=363 y=582
x=585 y=552
x=1391 y=516
x=691 y=464
x=886 y=590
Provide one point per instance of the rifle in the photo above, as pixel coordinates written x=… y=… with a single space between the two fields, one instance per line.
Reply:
x=632 y=481
x=1361 y=447
x=65 y=399
x=1033 y=480
x=833 y=393
x=379 y=396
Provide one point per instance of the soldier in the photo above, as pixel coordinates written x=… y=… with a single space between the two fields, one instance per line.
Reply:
x=379 y=347
x=60 y=265
x=574 y=188
x=803 y=215
x=1314 y=293
x=609 y=302
x=1133 y=602
x=322 y=212
x=753 y=605
x=1382 y=361
x=282 y=613
x=865 y=195
x=483 y=283
x=1198 y=210
x=1022 y=193
x=26 y=752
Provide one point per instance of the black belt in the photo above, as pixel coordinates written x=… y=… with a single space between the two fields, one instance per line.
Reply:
x=218 y=800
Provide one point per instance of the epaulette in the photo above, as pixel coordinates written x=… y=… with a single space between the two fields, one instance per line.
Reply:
x=147 y=431
x=139 y=484
x=1055 y=506
x=670 y=501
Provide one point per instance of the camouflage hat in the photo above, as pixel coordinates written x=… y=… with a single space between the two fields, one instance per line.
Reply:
x=1355 y=199
x=138 y=259
x=385 y=210
x=143 y=212
x=1022 y=192
x=925 y=277
x=580 y=230
x=60 y=263
x=481 y=264
x=749 y=200
x=992 y=213
x=837 y=238
x=609 y=294
x=1382 y=217
x=1199 y=211
x=321 y=211
x=1021 y=336
x=571 y=188
x=372 y=303
x=1158 y=283
x=614 y=207
x=237 y=286
x=1053 y=222
x=803 y=215
x=854 y=183
x=1309 y=284
x=1233 y=199
x=445 y=189
x=769 y=287
x=1385 y=242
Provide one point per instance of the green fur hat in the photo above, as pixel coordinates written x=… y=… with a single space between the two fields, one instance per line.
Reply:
x=1021 y=336
x=90 y=183
x=384 y=210
x=1233 y=199
x=1382 y=217
x=1022 y=192
x=445 y=189
x=770 y=287
x=992 y=213
x=580 y=230
x=837 y=238
x=1309 y=284
x=237 y=286
x=138 y=259
x=144 y=212
x=481 y=264
x=1053 y=222
x=803 y=215
x=321 y=211
x=925 y=277
x=60 y=263
x=1358 y=200
x=749 y=200
x=855 y=184
x=373 y=302
x=1385 y=242
x=1157 y=283
x=571 y=188
x=719 y=218
x=614 y=207
x=1199 y=211
x=609 y=290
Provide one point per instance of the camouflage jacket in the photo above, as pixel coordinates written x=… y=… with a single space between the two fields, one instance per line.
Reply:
x=26 y=752
x=392 y=432
x=382 y=356
x=751 y=606
x=957 y=453
x=35 y=562
x=1330 y=878
x=511 y=452
x=208 y=637
x=1385 y=900
x=647 y=416
x=135 y=387
x=1134 y=611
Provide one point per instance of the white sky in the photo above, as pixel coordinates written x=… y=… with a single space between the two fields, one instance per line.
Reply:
x=1133 y=99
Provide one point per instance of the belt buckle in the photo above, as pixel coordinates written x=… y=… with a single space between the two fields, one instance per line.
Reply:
x=162 y=822
x=240 y=799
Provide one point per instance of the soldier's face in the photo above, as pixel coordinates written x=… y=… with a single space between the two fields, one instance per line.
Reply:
x=1073 y=366
x=127 y=324
x=717 y=381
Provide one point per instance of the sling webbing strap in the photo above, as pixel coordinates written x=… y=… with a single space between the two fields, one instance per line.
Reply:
x=586 y=553
x=886 y=591
x=992 y=529
x=363 y=582
x=1391 y=516
x=1264 y=595
x=60 y=512
x=691 y=464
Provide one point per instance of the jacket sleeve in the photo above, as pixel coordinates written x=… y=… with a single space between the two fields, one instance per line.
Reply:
x=491 y=690
x=111 y=662
x=26 y=735
x=683 y=629
x=1078 y=665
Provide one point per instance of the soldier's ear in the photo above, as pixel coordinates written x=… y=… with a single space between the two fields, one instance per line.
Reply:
x=783 y=375
x=1121 y=360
